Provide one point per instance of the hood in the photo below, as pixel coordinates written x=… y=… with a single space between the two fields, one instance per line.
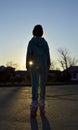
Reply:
x=38 y=41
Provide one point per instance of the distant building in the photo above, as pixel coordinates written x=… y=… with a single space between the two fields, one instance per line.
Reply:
x=6 y=73
x=70 y=74
x=54 y=75
x=20 y=75
x=73 y=70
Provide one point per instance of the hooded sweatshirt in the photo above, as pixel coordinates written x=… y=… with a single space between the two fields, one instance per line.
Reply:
x=38 y=52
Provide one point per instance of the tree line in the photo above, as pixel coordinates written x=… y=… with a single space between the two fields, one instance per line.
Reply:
x=64 y=59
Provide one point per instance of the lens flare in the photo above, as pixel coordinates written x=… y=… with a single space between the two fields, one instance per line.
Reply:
x=30 y=63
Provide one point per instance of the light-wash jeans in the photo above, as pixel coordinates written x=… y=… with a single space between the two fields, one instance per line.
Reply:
x=39 y=76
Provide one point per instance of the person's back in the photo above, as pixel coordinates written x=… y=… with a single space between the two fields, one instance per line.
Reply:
x=39 y=50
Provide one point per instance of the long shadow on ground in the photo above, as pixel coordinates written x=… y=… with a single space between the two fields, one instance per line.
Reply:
x=6 y=99
x=45 y=123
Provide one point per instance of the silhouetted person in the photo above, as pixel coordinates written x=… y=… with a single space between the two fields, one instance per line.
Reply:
x=38 y=63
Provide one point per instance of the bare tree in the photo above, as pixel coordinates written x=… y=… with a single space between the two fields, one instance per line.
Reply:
x=11 y=64
x=54 y=66
x=65 y=59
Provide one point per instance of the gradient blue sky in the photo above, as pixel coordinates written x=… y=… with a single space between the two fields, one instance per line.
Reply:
x=59 y=19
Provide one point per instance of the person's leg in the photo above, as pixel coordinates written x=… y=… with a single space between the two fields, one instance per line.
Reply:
x=35 y=82
x=43 y=77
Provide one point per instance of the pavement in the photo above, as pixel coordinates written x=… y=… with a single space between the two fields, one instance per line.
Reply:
x=61 y=108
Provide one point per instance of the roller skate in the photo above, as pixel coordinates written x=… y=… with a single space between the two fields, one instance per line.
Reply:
x=42 y=107
x=34 y=108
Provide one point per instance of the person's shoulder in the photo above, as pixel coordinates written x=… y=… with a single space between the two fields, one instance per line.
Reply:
x=31 y=41
x=45 y=41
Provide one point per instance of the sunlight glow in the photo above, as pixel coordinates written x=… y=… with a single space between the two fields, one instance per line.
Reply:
x=30 y=63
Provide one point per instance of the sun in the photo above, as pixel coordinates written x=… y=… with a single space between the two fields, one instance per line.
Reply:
x=30 y=63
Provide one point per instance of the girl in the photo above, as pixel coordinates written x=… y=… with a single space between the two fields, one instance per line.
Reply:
x=38 y=63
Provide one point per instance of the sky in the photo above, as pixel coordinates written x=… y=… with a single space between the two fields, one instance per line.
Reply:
x=59 y=19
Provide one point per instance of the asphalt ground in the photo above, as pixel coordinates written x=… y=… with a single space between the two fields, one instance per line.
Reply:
x=61 y=109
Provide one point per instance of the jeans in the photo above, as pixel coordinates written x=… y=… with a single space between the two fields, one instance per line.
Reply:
x=39 y=76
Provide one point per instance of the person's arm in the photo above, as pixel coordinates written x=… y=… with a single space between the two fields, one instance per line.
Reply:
x=48 y=58
x=48 y=55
